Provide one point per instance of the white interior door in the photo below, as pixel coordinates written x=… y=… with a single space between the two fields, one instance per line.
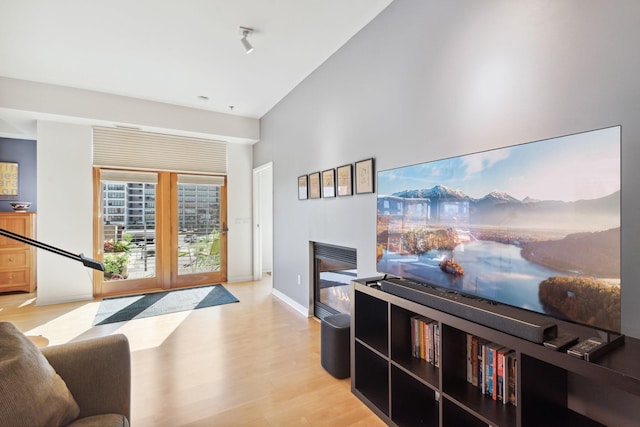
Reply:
x=262 y=220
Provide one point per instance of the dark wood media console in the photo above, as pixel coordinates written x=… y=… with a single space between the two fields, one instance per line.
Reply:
x=407 y=391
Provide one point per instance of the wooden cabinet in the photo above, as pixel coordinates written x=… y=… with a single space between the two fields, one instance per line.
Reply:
x=407 y=391
x=17 y=259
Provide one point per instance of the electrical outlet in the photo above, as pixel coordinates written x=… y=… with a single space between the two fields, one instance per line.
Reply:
x=299 y=282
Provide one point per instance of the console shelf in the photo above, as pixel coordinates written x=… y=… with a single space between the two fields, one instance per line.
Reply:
x=404 y=390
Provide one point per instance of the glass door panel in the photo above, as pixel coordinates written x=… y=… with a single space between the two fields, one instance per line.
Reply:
x=201 y=225
x=128 y=232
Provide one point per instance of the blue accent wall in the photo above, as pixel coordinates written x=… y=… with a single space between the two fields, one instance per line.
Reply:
x=23 y=152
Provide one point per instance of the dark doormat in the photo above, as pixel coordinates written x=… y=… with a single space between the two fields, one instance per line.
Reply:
x=121 y=309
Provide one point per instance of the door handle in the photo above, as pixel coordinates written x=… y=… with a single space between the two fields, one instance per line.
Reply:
x=224 y=228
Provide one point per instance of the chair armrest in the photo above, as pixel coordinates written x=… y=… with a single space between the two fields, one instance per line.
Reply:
x=98 y=373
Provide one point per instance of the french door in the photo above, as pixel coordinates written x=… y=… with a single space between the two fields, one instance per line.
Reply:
x=158 y=230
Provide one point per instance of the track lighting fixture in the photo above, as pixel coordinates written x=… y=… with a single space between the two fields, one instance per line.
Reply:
x=246 y=32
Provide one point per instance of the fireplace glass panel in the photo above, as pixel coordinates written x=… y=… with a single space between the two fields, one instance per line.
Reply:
x=335 y=268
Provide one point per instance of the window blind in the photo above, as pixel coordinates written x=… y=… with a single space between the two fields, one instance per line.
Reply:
x=201 y=179
x=134 y=149
x=128 y=176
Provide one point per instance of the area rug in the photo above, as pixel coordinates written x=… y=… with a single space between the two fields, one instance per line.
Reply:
x=120 y=309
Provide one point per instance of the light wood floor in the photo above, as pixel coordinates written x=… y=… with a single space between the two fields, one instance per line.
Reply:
x=253 y=363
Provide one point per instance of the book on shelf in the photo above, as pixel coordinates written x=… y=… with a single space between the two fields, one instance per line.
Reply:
x=469 y=358
x=429 y=349
x=511 y=376
x=500 y=392
x=474 y=361
x=491 y=368
x=436 y=328
x=415 y=337
x=425 y=339
x=481 y=366
x=488 y=369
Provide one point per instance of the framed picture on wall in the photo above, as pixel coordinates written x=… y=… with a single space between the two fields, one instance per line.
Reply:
x=314 y=185
x=345 y=180
x=364 y=176
x=329 y=183
x=9 y=181
x=303 y=193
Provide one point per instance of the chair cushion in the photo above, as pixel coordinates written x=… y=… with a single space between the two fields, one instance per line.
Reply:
x=106 y=420
x=32 y=393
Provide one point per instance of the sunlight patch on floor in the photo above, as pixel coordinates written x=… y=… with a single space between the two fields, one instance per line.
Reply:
x=26 y=302
x=67 y=326
x=157 y=329
x=77 y=324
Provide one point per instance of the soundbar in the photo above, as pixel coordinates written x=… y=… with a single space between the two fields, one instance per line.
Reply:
x=513 y=321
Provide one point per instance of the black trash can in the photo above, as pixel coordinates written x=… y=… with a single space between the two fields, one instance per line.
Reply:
x=335 y=346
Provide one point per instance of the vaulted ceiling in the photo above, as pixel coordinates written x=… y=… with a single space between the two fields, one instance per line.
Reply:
x=186 y=52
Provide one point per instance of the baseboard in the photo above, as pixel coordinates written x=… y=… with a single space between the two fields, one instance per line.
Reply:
x=293 y=304
x=61 y=300
x=239 y=279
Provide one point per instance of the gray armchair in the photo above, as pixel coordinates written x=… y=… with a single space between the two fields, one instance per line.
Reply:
x=80 y=384
x=97 y=371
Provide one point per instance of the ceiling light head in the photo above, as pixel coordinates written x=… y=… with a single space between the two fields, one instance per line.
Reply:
x=245 y=32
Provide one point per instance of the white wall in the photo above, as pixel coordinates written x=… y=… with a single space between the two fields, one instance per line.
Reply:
x=239 y=210
x=65 y=211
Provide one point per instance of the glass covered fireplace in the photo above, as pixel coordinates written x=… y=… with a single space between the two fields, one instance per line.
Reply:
x=334 y=267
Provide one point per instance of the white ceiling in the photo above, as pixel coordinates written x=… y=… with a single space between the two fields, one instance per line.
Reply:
x=175 y=51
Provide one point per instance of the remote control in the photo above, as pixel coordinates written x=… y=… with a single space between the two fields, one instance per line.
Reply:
x=581 y=349
x=562 y=341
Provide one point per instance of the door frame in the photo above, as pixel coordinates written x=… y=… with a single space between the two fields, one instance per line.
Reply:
x=166 y=241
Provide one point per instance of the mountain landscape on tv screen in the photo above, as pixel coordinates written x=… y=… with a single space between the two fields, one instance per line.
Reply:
x=545 y=230
x=499 y=208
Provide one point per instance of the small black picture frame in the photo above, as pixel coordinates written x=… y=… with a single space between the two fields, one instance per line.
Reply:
x=329 y=183
x=344 y=180
x=364 y=176
x=314 y=185
x=303 y=187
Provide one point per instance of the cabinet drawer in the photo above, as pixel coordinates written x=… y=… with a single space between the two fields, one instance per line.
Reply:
x=14 y=259
x=14 y=277
x=16 y=224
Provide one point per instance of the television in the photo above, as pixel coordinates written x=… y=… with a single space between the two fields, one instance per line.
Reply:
x=534 y=226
